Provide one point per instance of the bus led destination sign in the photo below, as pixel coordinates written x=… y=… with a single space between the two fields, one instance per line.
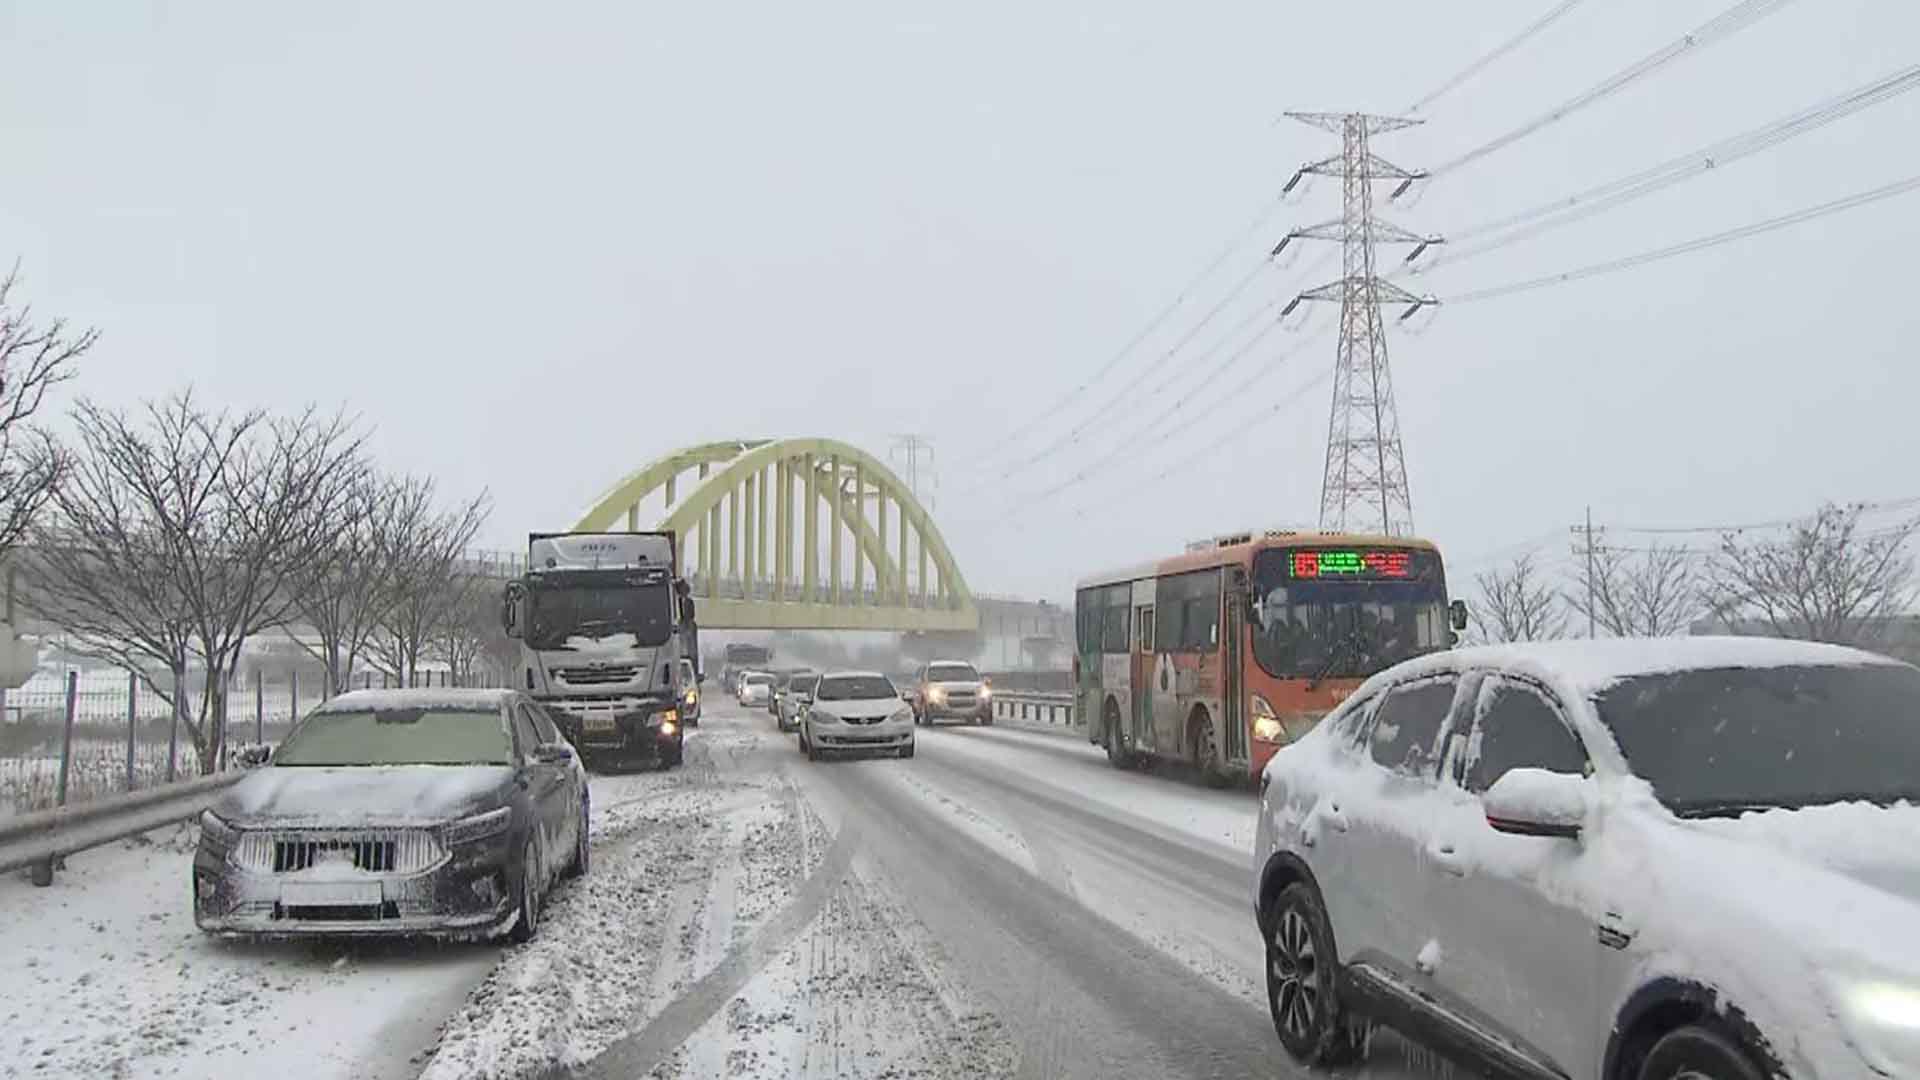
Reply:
x=1370 y=564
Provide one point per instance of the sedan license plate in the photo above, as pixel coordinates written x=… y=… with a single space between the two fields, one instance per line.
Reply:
x=330 y=893
x=596 y=723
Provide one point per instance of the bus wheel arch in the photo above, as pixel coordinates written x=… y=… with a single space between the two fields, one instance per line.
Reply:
x=1117 y=754
x=1203 y=745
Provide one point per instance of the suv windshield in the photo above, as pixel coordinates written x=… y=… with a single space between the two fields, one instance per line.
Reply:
x=398 y=737
x=1334 y=626
x=952 y=673
x=1725 y=740
x=584 y=610
x=856 y=688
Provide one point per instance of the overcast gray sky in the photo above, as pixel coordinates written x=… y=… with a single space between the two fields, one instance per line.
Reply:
x=535 y=247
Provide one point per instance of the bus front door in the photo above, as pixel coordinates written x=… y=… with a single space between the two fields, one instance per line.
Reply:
x=1142 y=681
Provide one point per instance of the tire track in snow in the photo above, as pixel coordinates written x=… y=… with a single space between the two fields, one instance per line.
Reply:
x=639 y=1053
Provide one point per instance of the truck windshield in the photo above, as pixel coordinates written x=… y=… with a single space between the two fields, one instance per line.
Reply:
x=567 y=614
x=1314 y=623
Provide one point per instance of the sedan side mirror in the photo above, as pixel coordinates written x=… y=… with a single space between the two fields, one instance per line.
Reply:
x=1535 y=802
x=1457 y=614
x=557 y=753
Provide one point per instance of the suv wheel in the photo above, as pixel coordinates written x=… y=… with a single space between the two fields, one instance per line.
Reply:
x=1698 y=1051
x=1301 y=994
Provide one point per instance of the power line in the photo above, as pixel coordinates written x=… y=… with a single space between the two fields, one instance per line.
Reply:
x=1073 y=433
x=1863 y=198
x=1498 y=51
x=1259 y=221
x=1710 y=158
x=1724 y=25
x=1777 y=523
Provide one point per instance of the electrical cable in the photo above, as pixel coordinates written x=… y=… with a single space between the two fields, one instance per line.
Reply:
x=1498 y=51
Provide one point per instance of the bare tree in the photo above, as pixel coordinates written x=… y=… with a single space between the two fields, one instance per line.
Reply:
x=1517 y=605
x=344 y=596
x=429 y=547
x=1652 y=592
x=469 y=628
x=33 y=360
x=179 y=534
x=1826 y=580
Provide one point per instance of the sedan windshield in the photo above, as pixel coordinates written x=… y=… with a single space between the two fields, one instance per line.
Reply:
x=759 y=680
x=398 y=737
x=952 y=673
x=1726 y=740
x=856 y=688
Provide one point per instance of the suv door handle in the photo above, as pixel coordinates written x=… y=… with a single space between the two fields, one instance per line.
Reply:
x=1446 y=858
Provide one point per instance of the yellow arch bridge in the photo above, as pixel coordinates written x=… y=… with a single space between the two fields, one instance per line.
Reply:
x=796 y=533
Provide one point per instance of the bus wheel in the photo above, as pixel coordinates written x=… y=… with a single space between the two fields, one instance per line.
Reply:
x=1117 y=755
x=1206 y=755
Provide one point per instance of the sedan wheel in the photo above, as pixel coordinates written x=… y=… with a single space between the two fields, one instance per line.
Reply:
x=1301 y=995
x=528 y=923
x=1698 y=1052
x=582 y=851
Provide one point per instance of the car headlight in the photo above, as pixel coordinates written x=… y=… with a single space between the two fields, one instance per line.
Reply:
x=902 y=714
x=1266 y=726
x=478 y=827
x=986 y=691
x=937 y=694
x=691 y=698
x=1881 y=1018
x=216 y=830
x=819 y=716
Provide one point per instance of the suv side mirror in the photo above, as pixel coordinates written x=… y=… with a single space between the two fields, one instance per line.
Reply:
x=1457 y=614
x=1535 y=802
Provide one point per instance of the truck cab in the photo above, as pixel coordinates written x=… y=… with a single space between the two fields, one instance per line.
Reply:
x=603 y=630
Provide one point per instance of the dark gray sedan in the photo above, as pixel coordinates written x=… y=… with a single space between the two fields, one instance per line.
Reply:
x=431 y=811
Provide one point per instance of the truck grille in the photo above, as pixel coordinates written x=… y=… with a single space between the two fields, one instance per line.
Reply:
x=582 y=676
x=384 y=851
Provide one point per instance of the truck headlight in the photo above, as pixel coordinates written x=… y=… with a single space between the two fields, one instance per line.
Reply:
x=1266 y=726
x=667 y=717
x=1881 y=1018
x=478 y=827
x=937 y=695
x=985 y=691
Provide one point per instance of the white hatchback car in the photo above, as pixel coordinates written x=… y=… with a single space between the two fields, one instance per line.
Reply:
x=1606 y=860
x=855 y=710
x=756 y=688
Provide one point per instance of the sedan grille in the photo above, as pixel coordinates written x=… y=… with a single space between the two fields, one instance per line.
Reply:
x=592 y=676
x=381 y=851
x=864 y=719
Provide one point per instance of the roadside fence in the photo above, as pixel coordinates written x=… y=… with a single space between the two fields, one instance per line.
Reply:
x=68 y=737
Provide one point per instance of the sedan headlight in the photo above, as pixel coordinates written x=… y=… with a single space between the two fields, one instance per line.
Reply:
x=1881 y=1018
x=1266 y=726
x=821 y=716
x=216 y=830
x=903 y=713
x=479 y=826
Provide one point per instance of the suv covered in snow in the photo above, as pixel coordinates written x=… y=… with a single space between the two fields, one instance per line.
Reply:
x=1605 y=860
x=952 y=688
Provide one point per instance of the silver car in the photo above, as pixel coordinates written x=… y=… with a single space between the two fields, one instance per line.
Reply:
x=1605 y=860
x=855 y=711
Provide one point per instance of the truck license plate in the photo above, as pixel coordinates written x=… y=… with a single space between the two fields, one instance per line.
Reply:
x=596 y=723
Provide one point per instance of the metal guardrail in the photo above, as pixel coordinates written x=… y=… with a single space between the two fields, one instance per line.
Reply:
x=39 y=840
x=1034 y=707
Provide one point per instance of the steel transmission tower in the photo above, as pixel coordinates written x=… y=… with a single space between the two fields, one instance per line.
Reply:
x=1365 y=481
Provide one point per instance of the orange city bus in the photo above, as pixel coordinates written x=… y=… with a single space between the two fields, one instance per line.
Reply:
x=1220 y=656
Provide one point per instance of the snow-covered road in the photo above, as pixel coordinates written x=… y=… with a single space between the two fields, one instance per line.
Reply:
x=1003 y=904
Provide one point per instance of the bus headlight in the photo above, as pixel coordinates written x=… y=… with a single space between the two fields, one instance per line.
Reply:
x=1266 y=726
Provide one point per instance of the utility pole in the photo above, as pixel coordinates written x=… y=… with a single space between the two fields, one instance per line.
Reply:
x=1365 y=480
x=1588 y=547
x=907 y=449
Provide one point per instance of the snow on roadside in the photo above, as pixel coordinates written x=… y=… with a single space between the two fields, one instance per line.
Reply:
x=103 y=974
x=675 y=884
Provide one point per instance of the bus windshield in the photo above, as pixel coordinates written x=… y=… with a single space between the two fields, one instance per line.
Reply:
x=1346 y=613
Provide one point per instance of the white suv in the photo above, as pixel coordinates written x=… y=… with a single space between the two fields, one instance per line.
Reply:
x=1605 y=860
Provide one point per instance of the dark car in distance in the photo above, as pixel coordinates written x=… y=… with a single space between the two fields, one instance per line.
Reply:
x=439 y=812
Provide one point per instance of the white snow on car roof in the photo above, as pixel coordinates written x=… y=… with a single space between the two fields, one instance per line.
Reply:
x=852 y=675
x=1587 y=666
x=419 y=697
